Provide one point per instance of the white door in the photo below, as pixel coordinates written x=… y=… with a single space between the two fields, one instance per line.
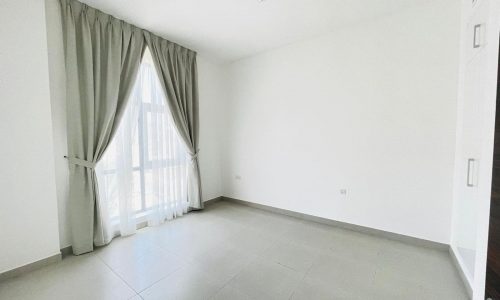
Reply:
x=469 y=162
x=475 y=128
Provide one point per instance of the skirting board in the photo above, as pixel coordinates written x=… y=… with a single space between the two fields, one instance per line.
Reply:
x=69 y=250
x=66 y=251
x=212 y=201
x=371 y=231
x=31 y=267
x=460 y=271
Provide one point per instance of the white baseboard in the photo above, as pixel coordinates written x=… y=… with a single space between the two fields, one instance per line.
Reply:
x=371 y=231
x=461 y=271
x=31 y=267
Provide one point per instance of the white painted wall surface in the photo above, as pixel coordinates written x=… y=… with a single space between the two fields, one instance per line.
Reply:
x=28 y=211
x=370 y=108
x=211 y=86
x=58 y=105
x=210 y=82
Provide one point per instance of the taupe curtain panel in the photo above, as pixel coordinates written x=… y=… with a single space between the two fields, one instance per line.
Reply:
x=102 y=57
x=178 y=76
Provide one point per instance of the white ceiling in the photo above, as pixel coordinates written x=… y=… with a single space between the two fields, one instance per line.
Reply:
x=227 y=30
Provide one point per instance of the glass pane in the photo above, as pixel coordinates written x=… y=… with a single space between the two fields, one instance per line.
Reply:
x=136 y=191
x=111 y=190
x=111 y=157
x=136 y=160
x=149 y=134
x=151 y=198
x=145 y=165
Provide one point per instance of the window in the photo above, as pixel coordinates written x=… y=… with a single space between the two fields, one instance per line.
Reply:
x=144 y=169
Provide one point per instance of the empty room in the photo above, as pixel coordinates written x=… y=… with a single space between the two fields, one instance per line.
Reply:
x=249 y=149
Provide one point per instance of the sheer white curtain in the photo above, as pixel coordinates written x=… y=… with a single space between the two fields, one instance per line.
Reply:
x=142 y=177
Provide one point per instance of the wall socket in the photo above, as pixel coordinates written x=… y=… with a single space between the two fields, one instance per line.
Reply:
x=343 y=192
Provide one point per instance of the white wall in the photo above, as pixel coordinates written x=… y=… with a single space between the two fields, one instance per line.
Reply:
x=28 y=212
x=210 y=81
x=334 y=112
x=370 y=108
x=58 y=105
x=211 y=85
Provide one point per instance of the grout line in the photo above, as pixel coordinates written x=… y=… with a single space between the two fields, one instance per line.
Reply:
x=222 y=287
x=155 y=282
x=233 y=277
x=117 y=275
x=289 y=268
x=138 y=292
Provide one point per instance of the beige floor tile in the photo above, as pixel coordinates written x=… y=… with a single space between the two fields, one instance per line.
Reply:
x=229 y=293
x=294 y=256
x=82 y=277
x=189 y=282
x=230 y=251
x=266 y=280
x=145 y=271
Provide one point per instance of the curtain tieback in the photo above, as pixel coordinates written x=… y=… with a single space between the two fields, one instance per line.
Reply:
x=195 y=155
x=81 y=162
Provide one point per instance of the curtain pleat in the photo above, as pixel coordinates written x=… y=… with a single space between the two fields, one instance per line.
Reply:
x=178 y=76
x=102 y=56
x=134 y=185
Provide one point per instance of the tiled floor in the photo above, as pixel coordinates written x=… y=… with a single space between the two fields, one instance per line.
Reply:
x=235 y=252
